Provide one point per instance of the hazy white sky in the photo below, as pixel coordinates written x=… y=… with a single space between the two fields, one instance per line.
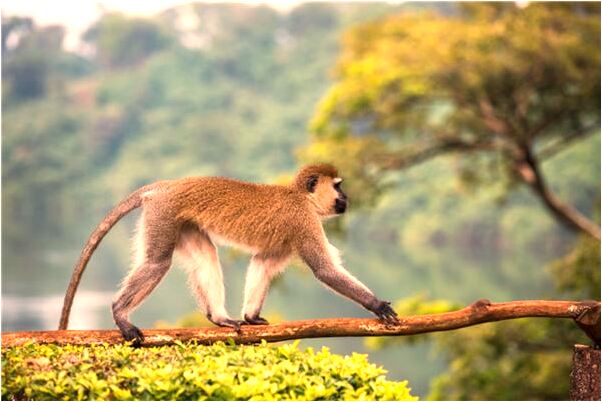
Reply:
x=76 y=16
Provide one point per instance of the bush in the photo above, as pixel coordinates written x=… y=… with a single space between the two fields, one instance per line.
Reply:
x=192 y=371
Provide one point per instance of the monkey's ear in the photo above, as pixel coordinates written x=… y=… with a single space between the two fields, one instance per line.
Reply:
x=312 y=181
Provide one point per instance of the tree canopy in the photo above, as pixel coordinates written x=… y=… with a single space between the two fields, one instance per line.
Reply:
x=505 y=86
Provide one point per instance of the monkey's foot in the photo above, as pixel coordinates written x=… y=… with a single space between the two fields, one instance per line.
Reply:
x=257 y=320
x=226 y=322
x=385 y=313
x=133 y=334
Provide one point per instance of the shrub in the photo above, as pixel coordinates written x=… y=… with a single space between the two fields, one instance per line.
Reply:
x=191 y=371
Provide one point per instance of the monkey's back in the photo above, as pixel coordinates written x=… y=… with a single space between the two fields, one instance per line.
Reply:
x=258 y=217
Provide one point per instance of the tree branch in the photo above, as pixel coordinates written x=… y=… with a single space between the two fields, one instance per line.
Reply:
x=561 y=144
x=481 y=311
x=401 y=161
x=529 y=171
x=493 y=122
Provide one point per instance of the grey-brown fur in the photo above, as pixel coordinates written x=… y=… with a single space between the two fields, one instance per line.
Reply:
x=273 y=222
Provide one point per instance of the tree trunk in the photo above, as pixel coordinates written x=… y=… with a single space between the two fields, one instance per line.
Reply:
x=585 y=376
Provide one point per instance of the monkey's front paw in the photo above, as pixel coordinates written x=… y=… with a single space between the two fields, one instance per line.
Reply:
x=256 y=320
x=385 y=313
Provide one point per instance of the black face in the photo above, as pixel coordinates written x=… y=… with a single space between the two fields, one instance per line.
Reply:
x=340 y=203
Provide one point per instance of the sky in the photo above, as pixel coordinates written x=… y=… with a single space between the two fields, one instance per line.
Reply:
x=76 y=16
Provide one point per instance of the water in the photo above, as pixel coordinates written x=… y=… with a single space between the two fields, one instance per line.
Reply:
x=25 y=313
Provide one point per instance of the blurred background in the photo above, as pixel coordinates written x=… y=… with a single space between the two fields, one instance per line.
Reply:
x=469 y=136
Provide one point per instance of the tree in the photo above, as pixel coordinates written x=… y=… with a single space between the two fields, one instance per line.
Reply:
x=27 y=62
x=121 y=41
x=14 y=26
x=505 y=86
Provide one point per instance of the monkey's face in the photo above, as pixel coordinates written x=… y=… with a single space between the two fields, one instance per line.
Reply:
x=340 y=202
x=327 y=195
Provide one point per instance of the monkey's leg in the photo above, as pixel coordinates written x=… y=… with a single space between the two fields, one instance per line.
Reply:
x=152 y=259
x=136 y=288
x=205 y=275
x=260 y=273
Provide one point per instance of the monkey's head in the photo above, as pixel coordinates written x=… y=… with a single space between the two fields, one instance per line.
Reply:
x=322 y=185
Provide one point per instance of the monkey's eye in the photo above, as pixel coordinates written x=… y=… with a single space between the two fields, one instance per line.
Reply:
x=337 y=184
x=311 y=183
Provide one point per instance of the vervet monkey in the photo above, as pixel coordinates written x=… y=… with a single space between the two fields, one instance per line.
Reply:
x=189 y=216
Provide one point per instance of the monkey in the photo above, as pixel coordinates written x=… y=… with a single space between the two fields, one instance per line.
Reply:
x=190 y=216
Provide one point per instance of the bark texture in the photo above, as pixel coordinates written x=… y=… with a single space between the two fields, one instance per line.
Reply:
x=585 y=376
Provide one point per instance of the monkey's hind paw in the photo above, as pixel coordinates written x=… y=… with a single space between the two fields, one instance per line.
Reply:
x=255 y=320
x=386 y=313
x=227 y=322
x=133 y=335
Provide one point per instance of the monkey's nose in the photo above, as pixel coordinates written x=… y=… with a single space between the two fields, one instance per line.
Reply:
x=340 y=205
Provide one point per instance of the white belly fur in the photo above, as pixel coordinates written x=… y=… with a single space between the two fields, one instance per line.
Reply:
x=222 y=241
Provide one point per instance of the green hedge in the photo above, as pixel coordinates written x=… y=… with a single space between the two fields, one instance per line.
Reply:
x=191 y=371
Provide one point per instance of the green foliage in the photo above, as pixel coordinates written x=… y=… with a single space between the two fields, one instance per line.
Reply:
x=512 y=360
x=121 y=41
x=493 y=361
x=526 y=359
x=35 y=169
x=494 y=82
x=105 y=125
x=146 y=106
x=192 y=372
x=505 y=87
x=578 y=273
x=30 y=65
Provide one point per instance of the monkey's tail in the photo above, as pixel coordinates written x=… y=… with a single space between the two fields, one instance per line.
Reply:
x=130 y=203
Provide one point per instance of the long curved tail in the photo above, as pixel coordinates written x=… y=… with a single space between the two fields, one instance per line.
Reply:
x=130 y=203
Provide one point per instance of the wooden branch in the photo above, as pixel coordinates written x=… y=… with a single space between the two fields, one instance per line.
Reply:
x=479 y=312
x=589 y=322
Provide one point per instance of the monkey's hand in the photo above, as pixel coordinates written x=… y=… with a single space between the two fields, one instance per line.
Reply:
x=385 y=313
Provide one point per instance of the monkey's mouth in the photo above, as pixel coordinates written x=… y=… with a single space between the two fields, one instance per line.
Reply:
x=340 y=206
